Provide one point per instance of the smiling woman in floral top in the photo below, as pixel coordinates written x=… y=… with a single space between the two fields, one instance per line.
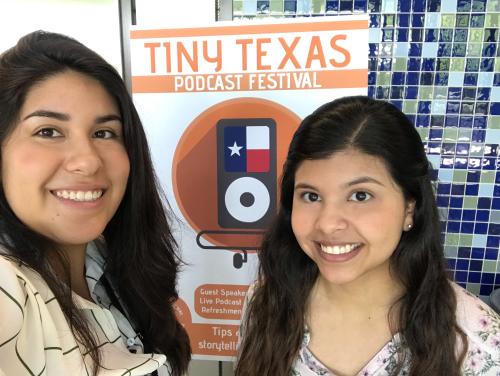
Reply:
x=352 y=278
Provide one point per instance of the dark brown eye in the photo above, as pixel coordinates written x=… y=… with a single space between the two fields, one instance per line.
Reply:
x=360 y=196
x=48 y=133
x=310 y=196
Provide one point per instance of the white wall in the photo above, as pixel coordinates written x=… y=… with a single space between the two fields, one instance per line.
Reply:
x=171 y=13
x=95 y=23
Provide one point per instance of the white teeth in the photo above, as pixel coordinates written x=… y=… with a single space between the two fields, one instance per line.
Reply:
x=79 y=195
x=339 y=249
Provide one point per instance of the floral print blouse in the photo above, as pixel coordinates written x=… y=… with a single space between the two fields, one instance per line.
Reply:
x=479 y=322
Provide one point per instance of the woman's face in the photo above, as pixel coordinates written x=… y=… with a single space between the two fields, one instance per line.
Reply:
x=348 y=215
x=64 y=166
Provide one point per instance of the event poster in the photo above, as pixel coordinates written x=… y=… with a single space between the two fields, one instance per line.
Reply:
x=220 y=104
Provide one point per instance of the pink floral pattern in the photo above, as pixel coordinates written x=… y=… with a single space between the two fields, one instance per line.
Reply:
x=477 y=320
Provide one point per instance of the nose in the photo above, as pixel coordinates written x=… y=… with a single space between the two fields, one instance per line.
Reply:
x=330 y=219
x=83 y=157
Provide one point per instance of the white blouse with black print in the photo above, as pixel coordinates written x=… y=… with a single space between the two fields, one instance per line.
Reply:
x=35 y=338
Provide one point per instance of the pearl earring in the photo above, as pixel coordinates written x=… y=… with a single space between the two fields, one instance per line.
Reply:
x=410 y=226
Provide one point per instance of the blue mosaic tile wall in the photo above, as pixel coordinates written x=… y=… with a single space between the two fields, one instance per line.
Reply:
x=438 y=61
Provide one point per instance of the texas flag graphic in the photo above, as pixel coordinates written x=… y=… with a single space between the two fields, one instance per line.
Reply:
x=246 y=148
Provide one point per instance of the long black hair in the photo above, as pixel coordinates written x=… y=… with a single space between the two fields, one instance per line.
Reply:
x=142 y=257
x=274 y=324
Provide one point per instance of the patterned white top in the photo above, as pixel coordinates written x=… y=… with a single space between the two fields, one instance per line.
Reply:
x=479 y=322
x=35 y=338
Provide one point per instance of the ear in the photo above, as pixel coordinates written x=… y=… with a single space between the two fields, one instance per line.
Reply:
x=409 y=211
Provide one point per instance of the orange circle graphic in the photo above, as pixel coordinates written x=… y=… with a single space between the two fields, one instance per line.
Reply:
x=194 y=170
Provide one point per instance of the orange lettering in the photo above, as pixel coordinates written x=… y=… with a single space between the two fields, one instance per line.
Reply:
x=191 y=60
x=261 y=53
x=167 y=56
x=217 y=58
x=152 y=54
x=315 y=53
x=289 y=53
x=244 y=53
x=342 y=50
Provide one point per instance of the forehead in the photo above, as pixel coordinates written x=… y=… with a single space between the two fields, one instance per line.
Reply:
x=342 y=167
x=66 y=91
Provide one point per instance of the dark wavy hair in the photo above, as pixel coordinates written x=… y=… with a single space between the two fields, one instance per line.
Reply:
x=274 y=324
x=142 y=256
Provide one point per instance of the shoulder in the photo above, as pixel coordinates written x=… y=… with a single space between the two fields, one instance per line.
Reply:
x=13 y=294
x=472 y=313
x=481 y=325
x=12 y=281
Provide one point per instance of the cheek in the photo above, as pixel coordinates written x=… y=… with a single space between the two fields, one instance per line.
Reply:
x=300 y=223
x=118 y=166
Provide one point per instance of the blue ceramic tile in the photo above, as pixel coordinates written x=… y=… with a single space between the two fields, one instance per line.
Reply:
x=464 y=253
x=464 y=5
x=374 y=21
x=492 y=150
x=462 y=264
x=431 y=35
x=473 y=177
x=483 y=94
x=474 y=277
x=411 y=92
x=397 y=93
x=460 y=276
x=398 y=78
x=418 y=6
x=488 y=278
x=477 y=253
x=469 y=215
x=470 y=79
x=333 y=6
x=346 y=5
x=417 y=19
x=483 y=215
x=403 y=20
x=480 y=228
x=426 y=78
x=485 y=289
x=472 y=189
x=480 y=122
x=451 y=120
x=415 y=49
x=404 y=6
x=493 y=241
x=491 y=254
x=453 y=227
x=489 y=50
x=487 y=65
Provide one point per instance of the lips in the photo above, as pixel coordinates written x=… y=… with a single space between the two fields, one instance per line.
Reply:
x=340 y=249
x=79 y=195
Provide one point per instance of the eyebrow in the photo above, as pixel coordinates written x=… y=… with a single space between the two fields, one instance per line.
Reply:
x=360 y=180
x=364 y=179
x=65 y=117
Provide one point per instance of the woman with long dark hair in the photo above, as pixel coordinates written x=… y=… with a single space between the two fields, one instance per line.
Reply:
x=352 y=277
x=88 y=263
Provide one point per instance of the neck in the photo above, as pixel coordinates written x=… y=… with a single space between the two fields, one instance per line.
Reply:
x=367 y=297
x=75 y=255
